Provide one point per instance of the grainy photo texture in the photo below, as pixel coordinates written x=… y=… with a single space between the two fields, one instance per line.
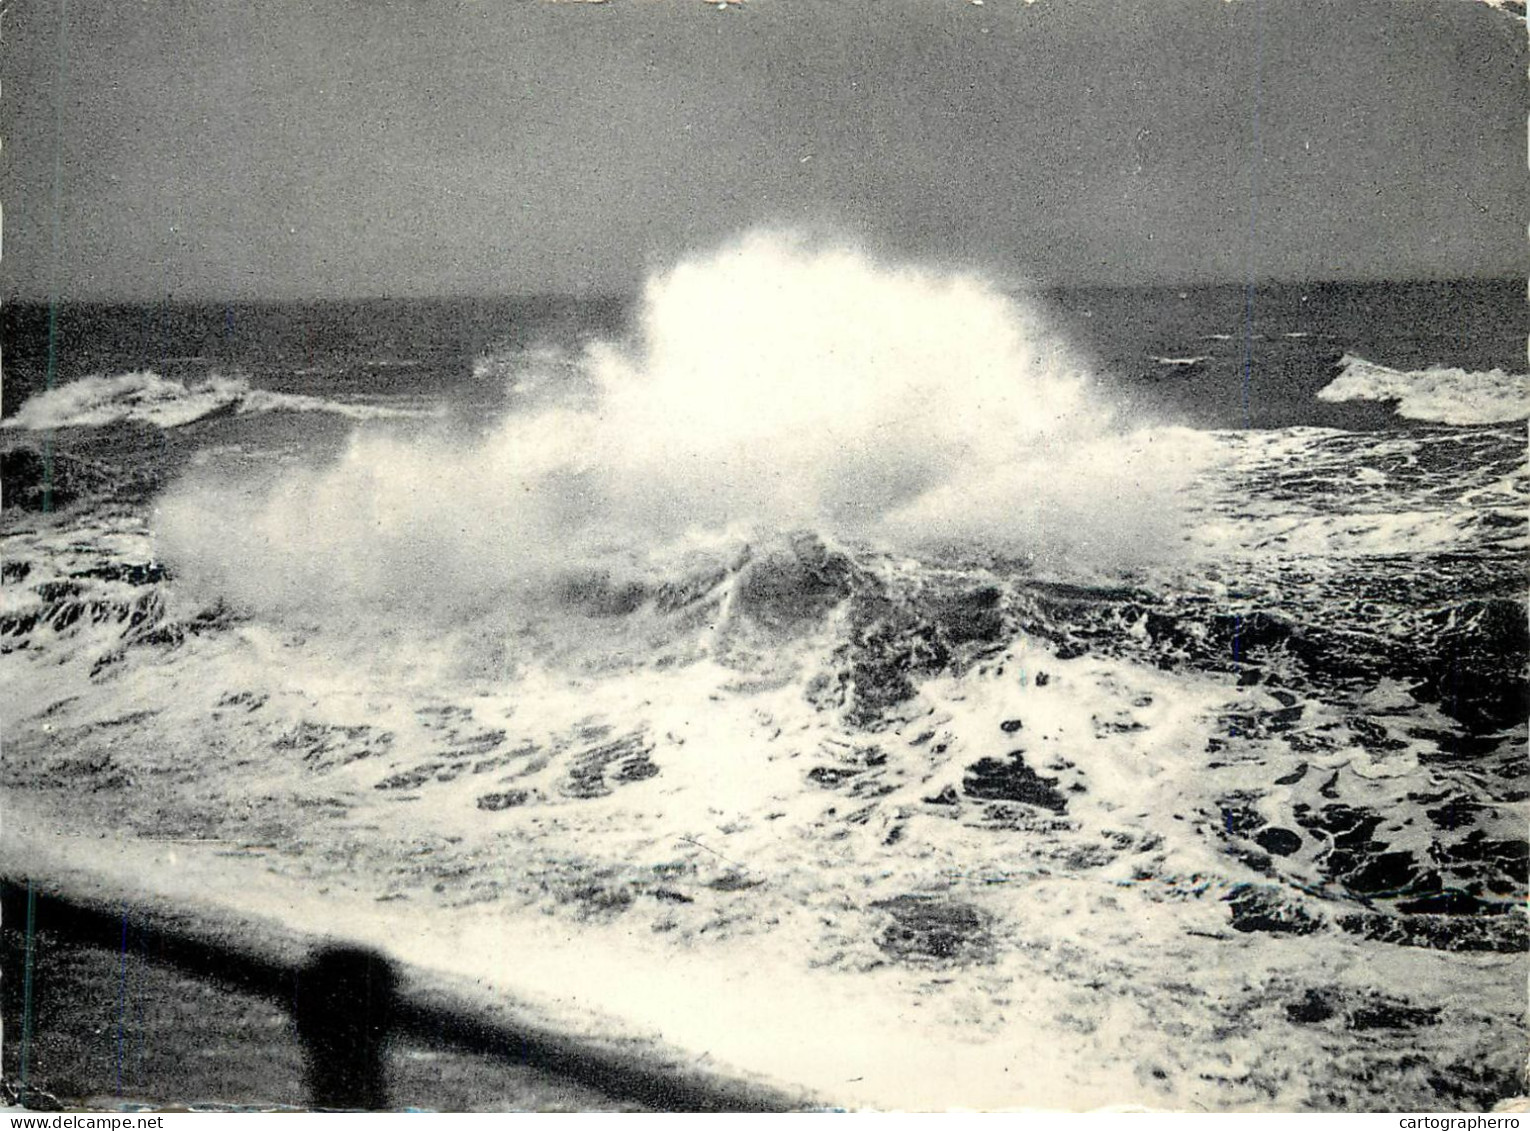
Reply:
x=895 y=554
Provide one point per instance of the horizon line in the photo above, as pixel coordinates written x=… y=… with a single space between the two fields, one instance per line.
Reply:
x=592 y=295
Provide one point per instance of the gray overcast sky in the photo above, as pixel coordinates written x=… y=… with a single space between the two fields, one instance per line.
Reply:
x=219 y=148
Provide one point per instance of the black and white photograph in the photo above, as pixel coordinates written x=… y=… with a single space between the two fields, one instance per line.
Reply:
x=764 y=555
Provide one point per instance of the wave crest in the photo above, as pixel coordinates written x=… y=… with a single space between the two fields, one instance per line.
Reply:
x=145 y=397
x=1439 y=394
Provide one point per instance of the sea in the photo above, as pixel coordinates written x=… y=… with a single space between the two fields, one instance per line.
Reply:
x=909 y=688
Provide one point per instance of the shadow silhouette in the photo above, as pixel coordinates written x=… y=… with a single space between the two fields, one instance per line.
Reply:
x=347 y=1005
x=343 y=1003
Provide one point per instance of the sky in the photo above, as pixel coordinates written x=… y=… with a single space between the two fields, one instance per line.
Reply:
x=286 y=149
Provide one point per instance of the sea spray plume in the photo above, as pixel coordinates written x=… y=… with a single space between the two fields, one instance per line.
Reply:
x=778 y=382
x=413 y=526
x=793 y=385
x=770 y=386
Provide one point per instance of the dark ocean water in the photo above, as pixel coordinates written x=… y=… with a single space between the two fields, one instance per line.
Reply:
x=338 y=349
x=1266 y=350
x=1269 y=349
x=1352 y=579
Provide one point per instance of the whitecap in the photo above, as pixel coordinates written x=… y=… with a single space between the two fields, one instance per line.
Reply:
x=145 y=397
x=1442 y=394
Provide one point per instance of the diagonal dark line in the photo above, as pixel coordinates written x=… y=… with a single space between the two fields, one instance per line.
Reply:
x=305 y=986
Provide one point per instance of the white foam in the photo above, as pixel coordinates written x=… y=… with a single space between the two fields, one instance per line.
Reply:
x=1444 y=395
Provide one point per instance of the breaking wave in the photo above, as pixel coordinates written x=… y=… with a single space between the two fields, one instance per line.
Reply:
x=144 y=397
x=770 y=386
x=1442 y=395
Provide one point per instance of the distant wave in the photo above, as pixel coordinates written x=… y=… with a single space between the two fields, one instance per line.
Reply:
x=145 y=397
x=1181 y=362
x=1448 y=396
